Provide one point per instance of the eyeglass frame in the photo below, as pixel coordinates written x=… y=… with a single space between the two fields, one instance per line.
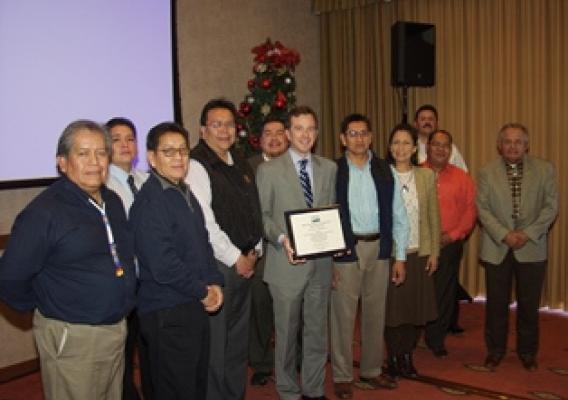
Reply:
x=352 y=133
x=218 y=124
x=172 y=151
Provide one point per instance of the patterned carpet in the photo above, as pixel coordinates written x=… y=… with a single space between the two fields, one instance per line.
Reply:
x=460 y=375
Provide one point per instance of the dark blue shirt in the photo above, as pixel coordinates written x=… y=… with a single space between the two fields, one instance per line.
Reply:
x=58 y=258
x=172 y=245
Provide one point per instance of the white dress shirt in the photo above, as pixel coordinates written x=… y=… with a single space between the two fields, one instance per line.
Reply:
x=116 y=181
x=200 y=185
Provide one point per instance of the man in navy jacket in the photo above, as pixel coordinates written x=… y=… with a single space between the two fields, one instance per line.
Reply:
x=70 y=258
x=366 y=196
x=179 y=281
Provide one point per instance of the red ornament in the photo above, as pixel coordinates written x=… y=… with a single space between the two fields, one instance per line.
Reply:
x=254 y=141
x=251 y=83
x=280 y=100
x=266 y=83
x=281 y=96
x=245 y=108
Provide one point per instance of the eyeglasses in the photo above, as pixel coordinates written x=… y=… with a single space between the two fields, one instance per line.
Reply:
x=171 y=152
x=219 y=124
x=352 y=133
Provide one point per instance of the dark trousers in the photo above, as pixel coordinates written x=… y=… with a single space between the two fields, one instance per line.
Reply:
x=229 y=339
x=178 y=350
x=133 y=342
x=261 y=352
x=401 y=339
x=446 y=281
x=529 y=278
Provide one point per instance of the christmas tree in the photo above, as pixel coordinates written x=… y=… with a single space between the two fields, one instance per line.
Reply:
x=271 y=92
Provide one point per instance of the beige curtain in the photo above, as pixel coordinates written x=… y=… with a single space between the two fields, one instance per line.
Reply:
x=497 y=61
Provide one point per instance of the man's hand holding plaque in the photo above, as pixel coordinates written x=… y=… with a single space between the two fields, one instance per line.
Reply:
x=290 y=252
x=314 y=233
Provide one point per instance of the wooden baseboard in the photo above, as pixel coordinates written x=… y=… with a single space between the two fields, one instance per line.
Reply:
x=18 y=370
x=3 y=241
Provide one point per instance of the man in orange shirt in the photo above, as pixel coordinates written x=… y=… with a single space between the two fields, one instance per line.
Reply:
x=456 y=197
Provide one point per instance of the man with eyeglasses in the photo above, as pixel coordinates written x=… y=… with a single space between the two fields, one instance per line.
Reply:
x=273 y=143
x=373 y=217
x=179 y=281
x=300 y=289
x=125 y=180
x=224 y=184
x=456 y=198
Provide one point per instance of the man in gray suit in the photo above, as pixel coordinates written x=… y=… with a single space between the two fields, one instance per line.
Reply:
x=273 y=142
x=298 y=287
x=517 y=201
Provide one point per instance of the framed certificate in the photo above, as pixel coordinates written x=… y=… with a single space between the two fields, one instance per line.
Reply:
x=315 y=232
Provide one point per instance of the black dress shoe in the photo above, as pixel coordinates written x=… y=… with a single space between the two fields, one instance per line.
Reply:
x=456 y=330
x=492 y=361
x=407 y=368
x=259 y=378
x=393 y=367
x=529 y=363
x=440 y=352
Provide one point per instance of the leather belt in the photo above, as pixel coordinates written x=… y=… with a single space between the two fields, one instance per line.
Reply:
x=371 y=237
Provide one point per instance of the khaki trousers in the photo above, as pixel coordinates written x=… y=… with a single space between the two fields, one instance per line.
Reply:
x=367 y=279
x=80 y=362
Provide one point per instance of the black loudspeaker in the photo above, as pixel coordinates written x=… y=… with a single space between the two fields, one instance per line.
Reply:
x=413 y=54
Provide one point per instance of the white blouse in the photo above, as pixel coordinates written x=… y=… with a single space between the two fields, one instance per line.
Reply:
x=406 y=183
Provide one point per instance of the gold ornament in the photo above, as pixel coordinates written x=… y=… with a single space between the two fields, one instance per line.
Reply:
x=265 y=109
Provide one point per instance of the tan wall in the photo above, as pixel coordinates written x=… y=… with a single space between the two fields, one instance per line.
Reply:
x=215 y=39
x=11 y=203
x=16 y=337
x=15 y=328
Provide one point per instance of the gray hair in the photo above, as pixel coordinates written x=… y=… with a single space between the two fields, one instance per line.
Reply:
x=513 y=125
x=68 y=136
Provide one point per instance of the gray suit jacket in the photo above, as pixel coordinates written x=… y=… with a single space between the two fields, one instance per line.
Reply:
x=280 y=190
x=255 y=161
x=539 y=206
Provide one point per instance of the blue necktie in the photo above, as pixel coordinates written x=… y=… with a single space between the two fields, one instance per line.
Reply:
x=305 y=182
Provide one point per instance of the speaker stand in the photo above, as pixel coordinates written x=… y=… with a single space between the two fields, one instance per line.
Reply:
x=404 y=105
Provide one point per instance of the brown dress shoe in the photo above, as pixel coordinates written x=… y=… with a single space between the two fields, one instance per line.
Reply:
x=492 y=361
x=379 y=382
x=343 y=390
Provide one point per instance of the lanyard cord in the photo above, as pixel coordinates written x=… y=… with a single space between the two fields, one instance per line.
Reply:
x=119 y=271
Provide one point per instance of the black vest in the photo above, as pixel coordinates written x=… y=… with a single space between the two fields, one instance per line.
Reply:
x=384 y=185
x=234 y=196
